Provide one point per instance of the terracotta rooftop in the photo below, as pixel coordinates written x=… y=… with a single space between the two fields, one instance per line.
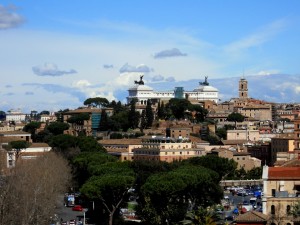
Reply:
x=19 y=132
x=197 y=140
x=291 y=163
x=287 y=173
x=130 y=141
x=37 y=145
x=252 y=216
x=234 y=142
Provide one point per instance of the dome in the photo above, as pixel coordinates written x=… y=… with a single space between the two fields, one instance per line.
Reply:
x=206 y=88
x=141 y=88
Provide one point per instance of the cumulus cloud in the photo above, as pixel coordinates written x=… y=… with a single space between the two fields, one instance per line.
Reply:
x=297 y=89
x=8 y=86
x=8 y=17
x=170 y=79
x=108 y=66
x=169 y=53
x=81 y=84
x=50 y=69
x=29 y=93
x=139 y=69
x=157 y=78
x=268 y=72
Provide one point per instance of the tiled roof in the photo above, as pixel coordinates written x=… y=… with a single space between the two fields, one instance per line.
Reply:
x=252 y=216
x=278 y=173
x=291 y=163
x=234 y=142
x=130 y=141
x=37 y=145
x=18 y=132
x=197 y=140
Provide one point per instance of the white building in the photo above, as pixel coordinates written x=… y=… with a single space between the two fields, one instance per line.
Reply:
x=142 y=93
x=16 y=116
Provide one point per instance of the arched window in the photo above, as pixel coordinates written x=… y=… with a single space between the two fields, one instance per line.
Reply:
x=288 y=209
x=273 y=209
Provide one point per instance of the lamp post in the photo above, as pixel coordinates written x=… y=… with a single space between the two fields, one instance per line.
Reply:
x=84 y=211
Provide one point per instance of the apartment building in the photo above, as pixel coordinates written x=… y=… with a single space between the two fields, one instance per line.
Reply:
x=281 y=193
x=166 y=149
x=121 y=148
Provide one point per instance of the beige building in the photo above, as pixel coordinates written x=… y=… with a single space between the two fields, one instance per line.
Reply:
x=6 y=137
x=166 y=149
x=121 y=148
x=244 y=160
x=247 y=135
x=281 y=145
x=281 y=193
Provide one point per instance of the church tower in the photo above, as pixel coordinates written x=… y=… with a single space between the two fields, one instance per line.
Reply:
x=243 y=88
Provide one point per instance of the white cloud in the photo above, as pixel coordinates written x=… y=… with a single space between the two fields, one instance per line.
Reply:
x=297 y=89
x=140 y=68
x=50 y=69
x=174 y=52
x=157 y=78
x=8 y=18
x=267 y=72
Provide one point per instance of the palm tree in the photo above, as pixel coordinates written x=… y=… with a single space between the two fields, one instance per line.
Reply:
x=201 y=216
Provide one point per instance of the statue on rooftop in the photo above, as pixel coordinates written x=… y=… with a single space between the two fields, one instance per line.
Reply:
x=205 y=83
x=140 y=82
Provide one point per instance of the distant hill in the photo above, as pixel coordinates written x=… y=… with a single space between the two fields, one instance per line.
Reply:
x=279 y=88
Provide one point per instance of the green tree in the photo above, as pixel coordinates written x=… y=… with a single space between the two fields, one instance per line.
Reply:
x=201 y=216
x=221 y=133
x=166 y=197
x=105 y=123
x=222 y=166
x=161 y=110
x=133 y=115
x=89 y=144
x=178 y=107
x=16 y=147
x=111 y=187
x=149 y=114
x=57 y=128
x=199 y=112
x=85 y=161
x=60 y=115
x=31 y=128
x=65 y=144
x=295 y=211
x=120 y=121
x=2 y=115
x=96 y=102
x=235 y=117
x=254 y=173
x=143 y=123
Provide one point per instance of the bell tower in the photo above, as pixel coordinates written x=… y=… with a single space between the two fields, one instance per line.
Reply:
x=243 y=88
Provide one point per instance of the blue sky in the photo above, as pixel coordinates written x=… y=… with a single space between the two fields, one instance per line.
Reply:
x=55 y=54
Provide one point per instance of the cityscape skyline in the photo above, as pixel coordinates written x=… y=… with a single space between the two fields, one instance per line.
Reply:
x=54 y=55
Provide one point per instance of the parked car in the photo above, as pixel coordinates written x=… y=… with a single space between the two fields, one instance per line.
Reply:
x=72 y=222
x=77 y=208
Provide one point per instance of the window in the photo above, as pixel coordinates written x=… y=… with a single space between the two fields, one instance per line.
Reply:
x=273 y=209
x=288 y=209
x=273 y=192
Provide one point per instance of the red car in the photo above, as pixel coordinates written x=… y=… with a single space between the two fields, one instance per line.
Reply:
x=77 y=208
